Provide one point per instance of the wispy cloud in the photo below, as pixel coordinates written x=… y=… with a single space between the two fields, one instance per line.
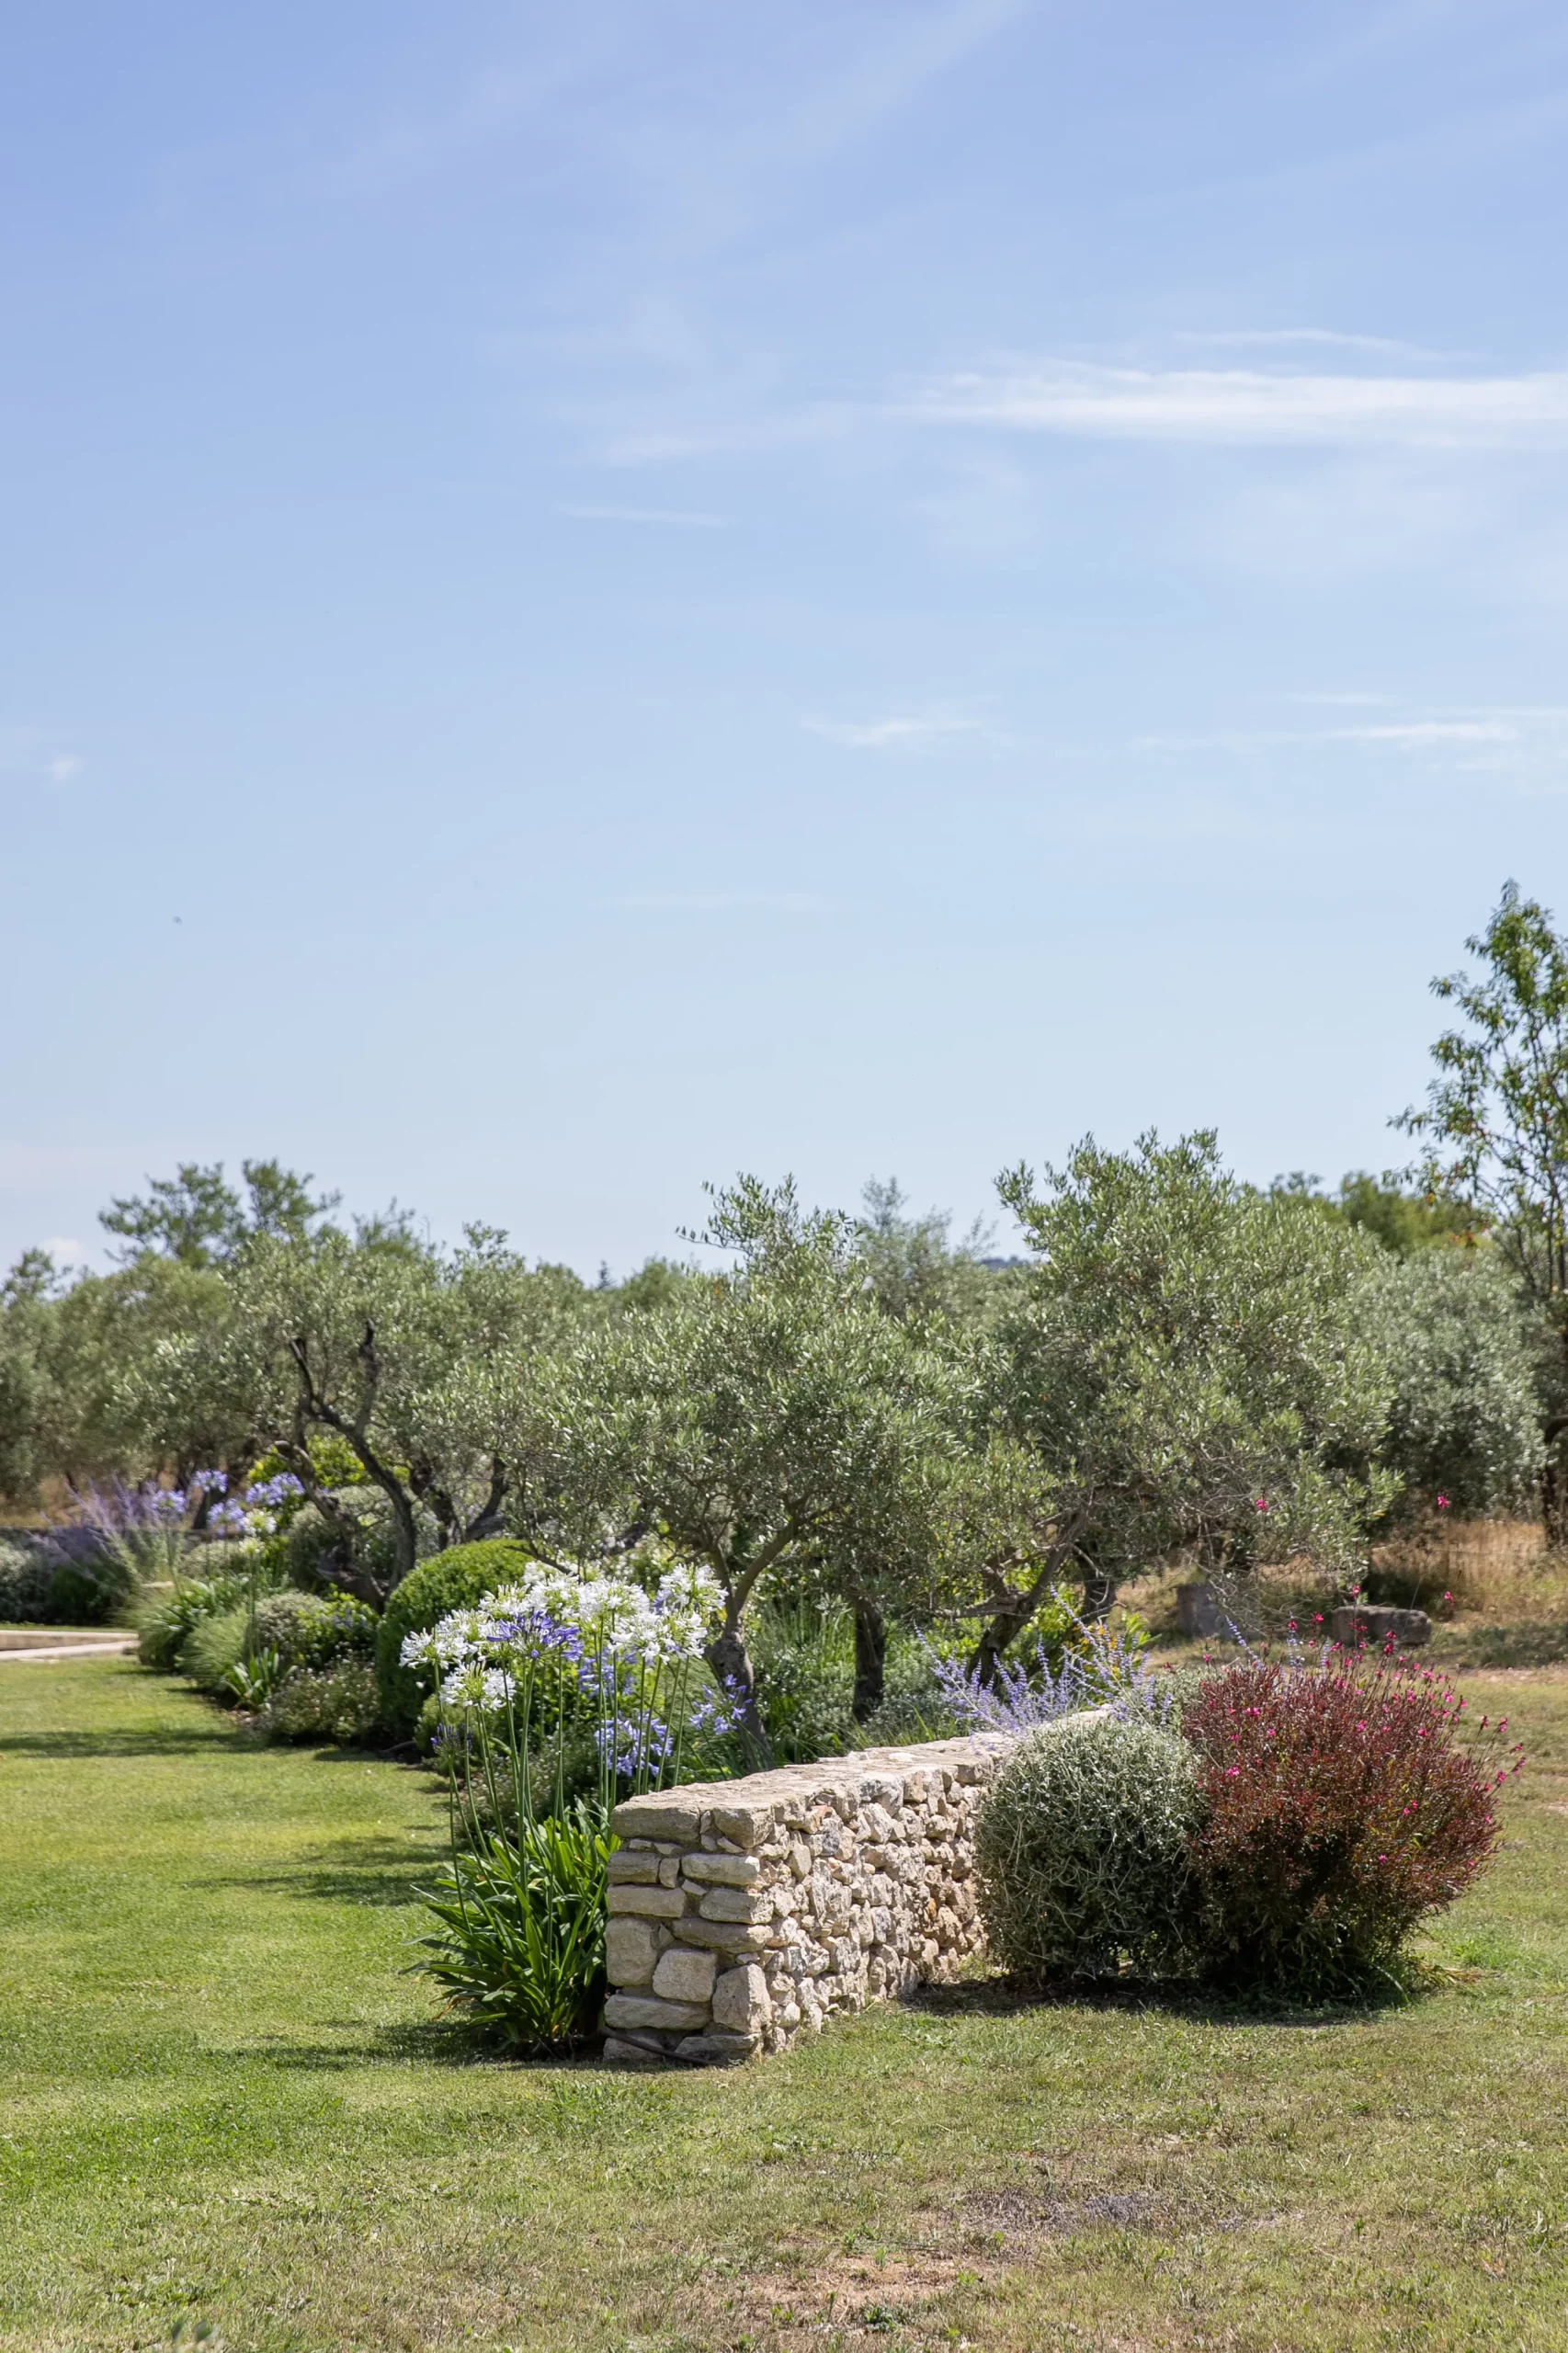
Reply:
x=1527 y=745
x=1334 y=339
x=788 y=903
x=1250 y=405
x=64 y=1252
x=65 y=768
x=1422 y=735
x=915 y=732
x=681 y=517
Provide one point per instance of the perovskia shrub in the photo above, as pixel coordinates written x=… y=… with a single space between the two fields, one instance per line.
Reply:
x=1342 y=1806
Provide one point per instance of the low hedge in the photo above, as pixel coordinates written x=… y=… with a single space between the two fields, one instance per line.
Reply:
x=457 y=1579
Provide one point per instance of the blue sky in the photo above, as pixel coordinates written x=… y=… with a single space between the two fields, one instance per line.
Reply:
x=595 y=597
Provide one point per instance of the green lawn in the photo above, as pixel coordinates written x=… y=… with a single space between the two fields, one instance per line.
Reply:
x=223 y=2102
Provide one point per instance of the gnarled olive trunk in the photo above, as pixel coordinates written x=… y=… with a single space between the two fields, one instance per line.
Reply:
x=870 y=1659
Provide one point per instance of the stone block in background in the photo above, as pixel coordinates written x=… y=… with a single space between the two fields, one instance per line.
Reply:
x=1370 y=1623
x=1198 y=1612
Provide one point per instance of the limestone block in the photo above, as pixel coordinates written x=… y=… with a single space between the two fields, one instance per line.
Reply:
x=716 y=2050
x=727 y=1935
x=645 y=2009
x=737 y=1904
x=742 y=2002
x=628 y=1952
x=669 y=1871
x=685 y=1975
x=619 y=2053
x=745 y=1826
x=1377 y=1627
x=654 y=1903
x=624 y=1868
x=674 y=1815
x=723 y=1870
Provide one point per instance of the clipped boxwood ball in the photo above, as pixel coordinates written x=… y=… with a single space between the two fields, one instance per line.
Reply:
x=1082 y=1847
x=457 y=1579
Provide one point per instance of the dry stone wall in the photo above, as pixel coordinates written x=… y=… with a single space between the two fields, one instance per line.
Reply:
x=742 y=1913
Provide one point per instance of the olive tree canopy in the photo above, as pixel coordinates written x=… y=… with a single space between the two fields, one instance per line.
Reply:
x=1183 y=1365
x=771 y=1418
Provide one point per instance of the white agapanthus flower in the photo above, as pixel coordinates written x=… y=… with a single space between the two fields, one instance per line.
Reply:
x=474 y=1655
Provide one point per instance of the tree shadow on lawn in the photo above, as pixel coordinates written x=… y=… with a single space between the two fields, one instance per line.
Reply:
x=1003 y=1997
x=430 y=2043
x=353 y=1871
x=195 y=1741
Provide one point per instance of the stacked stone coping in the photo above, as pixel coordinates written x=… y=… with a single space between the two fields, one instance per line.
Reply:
x=743 y=1913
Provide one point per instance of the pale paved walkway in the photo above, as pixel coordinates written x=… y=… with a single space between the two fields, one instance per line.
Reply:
x=17 y=1645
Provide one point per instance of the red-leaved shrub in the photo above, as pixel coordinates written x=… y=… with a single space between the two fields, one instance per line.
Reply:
x=1343 y=1805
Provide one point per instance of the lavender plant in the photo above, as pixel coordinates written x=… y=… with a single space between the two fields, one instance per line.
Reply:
x=1102 y=1665
x=142 y=1531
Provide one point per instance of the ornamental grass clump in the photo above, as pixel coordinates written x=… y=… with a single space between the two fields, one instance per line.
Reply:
x=1343 y=1805
x=1082 y=1849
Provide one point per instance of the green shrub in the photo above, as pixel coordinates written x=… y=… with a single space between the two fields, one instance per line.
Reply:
x=1081 y=1847
x=805 y=1656
x=25 y=1581
x=457 y=1579
x=338 y=1702
x=313 y=1630
x=253 y=1678
x=314 y=1551
x=89 y=1588
x=804 y=1659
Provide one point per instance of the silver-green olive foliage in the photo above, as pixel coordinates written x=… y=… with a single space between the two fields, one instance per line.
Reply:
x=1495 y=1131
x=1183 y=1365
x=771 y=1420
x=1464 y=1419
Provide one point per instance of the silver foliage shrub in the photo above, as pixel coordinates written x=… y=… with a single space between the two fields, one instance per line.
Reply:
x=1081 y=1847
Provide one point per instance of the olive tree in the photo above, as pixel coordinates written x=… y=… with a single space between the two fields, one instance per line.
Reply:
x=1183 y=1365
x=408 y=1354
x=772 y=1420
x=1464 y=1419
x=1496 y=1127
